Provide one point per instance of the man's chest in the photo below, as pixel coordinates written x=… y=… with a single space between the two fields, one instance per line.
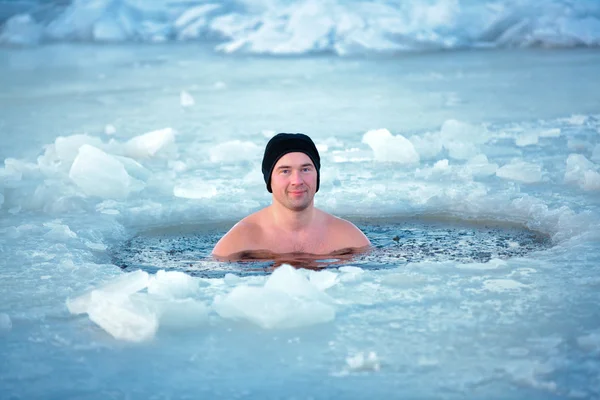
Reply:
x=313 y=242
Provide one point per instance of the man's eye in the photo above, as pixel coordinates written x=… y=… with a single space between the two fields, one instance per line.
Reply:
x=306 y=169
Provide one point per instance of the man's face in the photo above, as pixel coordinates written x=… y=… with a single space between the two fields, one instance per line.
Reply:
x=294 y=181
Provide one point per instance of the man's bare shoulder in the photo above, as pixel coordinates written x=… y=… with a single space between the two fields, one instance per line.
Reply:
x=344 y=233
x=245 y=235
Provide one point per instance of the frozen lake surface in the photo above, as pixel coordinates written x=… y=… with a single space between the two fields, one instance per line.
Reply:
x=475 y=173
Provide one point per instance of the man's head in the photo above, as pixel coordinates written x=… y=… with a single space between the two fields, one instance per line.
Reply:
x=284 y=143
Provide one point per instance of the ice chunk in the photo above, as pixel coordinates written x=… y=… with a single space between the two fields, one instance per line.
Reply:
x=99 y=174
x=457 y=131
x=59 y=231
x=323 y=279
x=389 y=148
x=364 y=362
x=149 y=144
x=124 y=319
x=462 y=139
x=134 y=168
x=527 y=139
x=186 y=99
x=479 y=166
x=181 y=313
x=287 y=300
x=5 y=323
x=110 y=129
x=272 y=309
x=289 y=280
x=21 y=30
x=441 y=165
x=350 y=273
x=551 y=133
x=194 y=189
x=582 y=171
x=520 y=171
x=234 y=151
x=172 y=284
x=121 y=287
x=67 y=147
x=231 y=279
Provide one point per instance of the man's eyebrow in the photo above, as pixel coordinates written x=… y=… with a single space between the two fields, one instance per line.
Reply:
x=289 y=166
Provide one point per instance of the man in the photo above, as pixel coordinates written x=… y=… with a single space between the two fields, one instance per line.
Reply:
x=291 y=224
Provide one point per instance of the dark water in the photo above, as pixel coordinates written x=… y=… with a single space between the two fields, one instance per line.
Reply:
x=394 y=243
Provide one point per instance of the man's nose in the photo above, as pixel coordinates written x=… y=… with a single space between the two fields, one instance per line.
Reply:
x=296 y=178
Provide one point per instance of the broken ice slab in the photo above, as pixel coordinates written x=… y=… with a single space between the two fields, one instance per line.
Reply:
x=120 y=287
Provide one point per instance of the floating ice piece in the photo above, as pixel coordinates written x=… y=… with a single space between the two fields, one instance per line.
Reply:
x=364 y=362
x=480 y=166
x=59 y=231
x=289 y=280
x=100 y=174
x=287 y=300
x=5 y=323
x=120 y=287
x=186 y=99
x=550 y=133
x=323 y=279
x=350 y=273
x=234 y=151
x=110 y=129
x=149 y=144
x=66 y=148
x=453 y=130
x=576 y=119
x=134 y=168
x=124 y=319
x=21 y=30
x=520 y=171
x=172 y=284
x=582 y=171
x=527 y=139
x=180 y=313
x=389 y=148
x=194 y=189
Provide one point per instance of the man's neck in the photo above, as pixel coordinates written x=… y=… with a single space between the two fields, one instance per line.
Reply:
x=291 y=220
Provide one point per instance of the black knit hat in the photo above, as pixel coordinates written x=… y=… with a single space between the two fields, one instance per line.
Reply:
x=284 y=143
